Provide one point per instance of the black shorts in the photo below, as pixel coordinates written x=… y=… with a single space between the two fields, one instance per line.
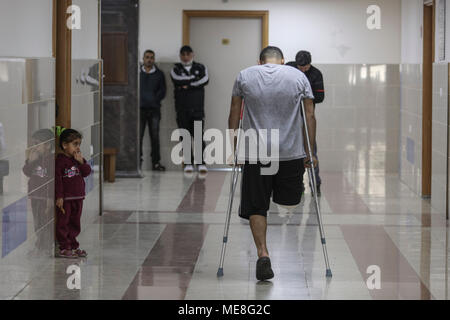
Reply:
x=285 y=187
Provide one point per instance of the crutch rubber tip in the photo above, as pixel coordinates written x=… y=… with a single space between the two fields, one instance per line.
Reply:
x=220 y=272
x=329 y=274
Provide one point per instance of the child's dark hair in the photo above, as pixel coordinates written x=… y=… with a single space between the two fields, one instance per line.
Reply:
x=69 y=135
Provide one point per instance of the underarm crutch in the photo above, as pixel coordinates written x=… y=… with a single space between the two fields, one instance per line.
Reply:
x=233 y=183
x=312 y=181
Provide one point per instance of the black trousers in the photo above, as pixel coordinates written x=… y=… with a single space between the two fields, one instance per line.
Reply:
x=185 y=120
x=151 y=117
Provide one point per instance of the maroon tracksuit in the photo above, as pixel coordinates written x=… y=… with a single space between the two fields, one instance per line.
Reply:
x=69 y=185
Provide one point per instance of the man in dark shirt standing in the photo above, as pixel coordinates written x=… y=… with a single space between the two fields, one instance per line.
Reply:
x=189 y=79
x=303 y=63
x=153 y=90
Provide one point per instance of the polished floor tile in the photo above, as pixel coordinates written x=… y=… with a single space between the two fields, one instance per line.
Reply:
x=160 y=237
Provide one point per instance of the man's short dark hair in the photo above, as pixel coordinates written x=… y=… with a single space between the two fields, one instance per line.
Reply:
x=149 y=51
x=270 y=52
x=187 y=49
x=303 y=58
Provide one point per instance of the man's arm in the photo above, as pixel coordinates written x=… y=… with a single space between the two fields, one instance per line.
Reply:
x=161 y=94
x=203 y=78
x=311 y=123
x=235 y=115
x=318 y=88
x=180 y=80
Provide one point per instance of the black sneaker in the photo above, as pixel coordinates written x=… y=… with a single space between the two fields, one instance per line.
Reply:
x=264 y=269
x=158 y=167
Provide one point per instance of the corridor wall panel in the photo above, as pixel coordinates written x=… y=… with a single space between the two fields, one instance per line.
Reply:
x=27 y=117
x=411 y=126
x=85 y=115
x=440 y=126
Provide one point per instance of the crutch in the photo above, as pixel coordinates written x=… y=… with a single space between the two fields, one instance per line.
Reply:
x=233 y=183
x=312 y=181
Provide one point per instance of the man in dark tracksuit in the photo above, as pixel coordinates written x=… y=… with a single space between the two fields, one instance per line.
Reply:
x=189 y=79
x=153 y=90
x=303 y=63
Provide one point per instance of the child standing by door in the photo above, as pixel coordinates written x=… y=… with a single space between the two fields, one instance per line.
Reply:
x=70 y=170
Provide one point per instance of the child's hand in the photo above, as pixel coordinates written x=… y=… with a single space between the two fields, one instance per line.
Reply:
x=59 y=204
x=79 y=157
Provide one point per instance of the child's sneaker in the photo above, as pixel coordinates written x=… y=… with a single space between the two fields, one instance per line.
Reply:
x=66 y=253
x=80 y=253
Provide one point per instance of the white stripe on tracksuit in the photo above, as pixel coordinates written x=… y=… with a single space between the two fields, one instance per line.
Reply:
x=181 y=78
x=202 y=80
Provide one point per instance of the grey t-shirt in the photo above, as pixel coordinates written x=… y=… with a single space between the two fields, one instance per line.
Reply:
x=272 y=94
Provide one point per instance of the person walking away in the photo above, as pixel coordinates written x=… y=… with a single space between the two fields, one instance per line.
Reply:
x=315 y=78
x=272 y=93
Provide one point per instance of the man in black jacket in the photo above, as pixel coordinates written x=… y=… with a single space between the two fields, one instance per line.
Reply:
x=189 y=79
x=315 y=78
x=153 y=90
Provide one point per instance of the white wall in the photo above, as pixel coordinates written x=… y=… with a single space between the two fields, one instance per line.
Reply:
x=412 y=21
x=85 y=40
x=334 y=31
x=26 y=28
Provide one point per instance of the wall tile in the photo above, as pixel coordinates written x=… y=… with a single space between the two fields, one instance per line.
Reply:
x=411 y=124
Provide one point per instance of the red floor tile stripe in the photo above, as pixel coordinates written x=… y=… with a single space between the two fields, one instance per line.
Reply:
x=203 y=194
x=341 y=196
x=371 y=245
x=167 y=270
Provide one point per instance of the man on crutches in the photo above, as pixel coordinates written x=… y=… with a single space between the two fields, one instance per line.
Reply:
x=273 y=94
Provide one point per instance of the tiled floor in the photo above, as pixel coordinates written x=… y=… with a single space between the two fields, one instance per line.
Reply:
x=160 y=238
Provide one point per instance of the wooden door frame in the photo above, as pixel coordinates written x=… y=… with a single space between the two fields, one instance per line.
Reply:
x=238 y=14
x=427 y=95
x=62 y=52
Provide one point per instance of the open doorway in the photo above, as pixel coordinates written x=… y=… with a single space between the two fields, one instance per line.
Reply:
x=226 y=42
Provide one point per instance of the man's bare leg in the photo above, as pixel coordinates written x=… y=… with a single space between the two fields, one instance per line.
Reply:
x=258 y=225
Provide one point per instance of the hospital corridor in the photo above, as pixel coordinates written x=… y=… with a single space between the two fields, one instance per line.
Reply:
x=136 y=137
